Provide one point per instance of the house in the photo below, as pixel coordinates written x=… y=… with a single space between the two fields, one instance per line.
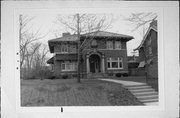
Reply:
x=133 y=62
x=148 y=51
x=103 y=53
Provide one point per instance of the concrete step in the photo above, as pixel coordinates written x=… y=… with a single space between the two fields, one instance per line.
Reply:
x=147 y=97
x=142 y=90
x=145 y=93
x=138 y=87
x=149 y=100
x=151 y=103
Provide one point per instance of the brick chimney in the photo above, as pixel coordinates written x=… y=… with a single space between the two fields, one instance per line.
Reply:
x=66 y=34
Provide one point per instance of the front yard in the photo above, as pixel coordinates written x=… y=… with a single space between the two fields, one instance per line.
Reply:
x=68 y=92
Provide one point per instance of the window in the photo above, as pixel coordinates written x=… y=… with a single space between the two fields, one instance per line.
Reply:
x=149 y=41
x=64 y=48
x=117 y=44
x=150 y=50
x=72 y=49
x=69 y=66
x=109 y=45
x=114 y=63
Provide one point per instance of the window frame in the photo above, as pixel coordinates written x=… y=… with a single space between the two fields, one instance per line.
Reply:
x=69 y=66
x=108 y=46
x=117 y=47
x=118 y=61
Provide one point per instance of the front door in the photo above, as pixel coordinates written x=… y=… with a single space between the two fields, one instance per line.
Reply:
x=94 y=63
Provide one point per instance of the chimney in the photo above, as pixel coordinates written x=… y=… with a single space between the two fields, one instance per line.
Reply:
x=66 y=34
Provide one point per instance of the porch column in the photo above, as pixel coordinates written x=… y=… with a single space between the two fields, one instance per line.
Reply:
x=87 y=64
x=103 y=69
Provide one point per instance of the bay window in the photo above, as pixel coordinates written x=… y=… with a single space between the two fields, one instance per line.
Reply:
x=114 y=63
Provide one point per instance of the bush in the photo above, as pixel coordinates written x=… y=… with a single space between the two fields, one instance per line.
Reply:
x=64 y=76
x=125 y=74
x=118 y=74
x=31 y=77
x=52 y=77
x=110 y=74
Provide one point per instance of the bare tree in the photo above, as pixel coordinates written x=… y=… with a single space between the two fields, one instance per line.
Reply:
x=82 y=24
x=27 y=37
x=39 y=59
x=141 y=20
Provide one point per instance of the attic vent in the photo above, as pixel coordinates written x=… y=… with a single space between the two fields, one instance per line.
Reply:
x=66 y=34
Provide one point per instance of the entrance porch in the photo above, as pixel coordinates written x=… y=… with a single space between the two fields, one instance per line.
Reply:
x=95 y=64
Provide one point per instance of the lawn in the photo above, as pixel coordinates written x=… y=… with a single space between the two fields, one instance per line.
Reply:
x=59 y=92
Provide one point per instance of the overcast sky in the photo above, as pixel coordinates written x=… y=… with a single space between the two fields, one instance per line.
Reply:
x=47 y=25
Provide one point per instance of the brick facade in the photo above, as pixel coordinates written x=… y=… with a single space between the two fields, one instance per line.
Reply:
x=148 y=51
x=99 y=51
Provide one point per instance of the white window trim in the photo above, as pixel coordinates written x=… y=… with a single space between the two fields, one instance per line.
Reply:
x=107 y=45
x=119 y=60
x=116 y=47
x=71 y=69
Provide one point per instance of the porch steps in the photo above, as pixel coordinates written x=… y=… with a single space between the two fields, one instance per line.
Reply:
x=144 y=93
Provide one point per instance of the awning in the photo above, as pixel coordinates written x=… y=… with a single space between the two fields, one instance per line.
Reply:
x=141 y=64
x=50 y=61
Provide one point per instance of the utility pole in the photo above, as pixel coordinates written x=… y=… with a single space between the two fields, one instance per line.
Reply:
x=78 y=34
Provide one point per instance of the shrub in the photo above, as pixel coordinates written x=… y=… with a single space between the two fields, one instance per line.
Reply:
x=52 y=77
x=31 y=77
x=118 y=74
x=125 y=74
x=110 y=74
x=64 y=76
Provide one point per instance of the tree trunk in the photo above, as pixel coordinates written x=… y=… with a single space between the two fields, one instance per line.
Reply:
x=78 y=33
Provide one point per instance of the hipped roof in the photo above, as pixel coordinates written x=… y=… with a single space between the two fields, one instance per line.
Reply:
x=98 y=34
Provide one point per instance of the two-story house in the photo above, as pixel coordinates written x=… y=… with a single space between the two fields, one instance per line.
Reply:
x=148 y=51
x=102 y=52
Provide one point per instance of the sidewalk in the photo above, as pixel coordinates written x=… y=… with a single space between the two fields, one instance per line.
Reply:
x=143 y=92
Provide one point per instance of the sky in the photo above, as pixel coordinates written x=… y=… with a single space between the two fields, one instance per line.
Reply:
x=47 y=25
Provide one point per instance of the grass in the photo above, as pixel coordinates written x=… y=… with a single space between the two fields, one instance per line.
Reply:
x=70 y=93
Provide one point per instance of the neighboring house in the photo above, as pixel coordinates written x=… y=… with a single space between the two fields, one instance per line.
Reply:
x=104 y=53
x=148 y=51
x=133 y=62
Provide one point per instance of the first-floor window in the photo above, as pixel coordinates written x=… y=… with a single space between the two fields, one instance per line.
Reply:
x=114 y=63
x=68 y=66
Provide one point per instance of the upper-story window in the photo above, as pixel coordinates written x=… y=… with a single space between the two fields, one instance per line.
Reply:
x=150 y=50
x=64 y=48
x=109 y=44
x=149 y=41
x=72 y=48
x=117 y=44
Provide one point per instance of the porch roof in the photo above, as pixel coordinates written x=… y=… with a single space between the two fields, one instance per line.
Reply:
x=50 y=61
x=65 y=57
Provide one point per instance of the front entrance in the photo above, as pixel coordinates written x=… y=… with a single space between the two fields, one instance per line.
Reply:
x=95 y=63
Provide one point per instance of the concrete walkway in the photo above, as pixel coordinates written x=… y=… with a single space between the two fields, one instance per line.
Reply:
x=144 y=93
